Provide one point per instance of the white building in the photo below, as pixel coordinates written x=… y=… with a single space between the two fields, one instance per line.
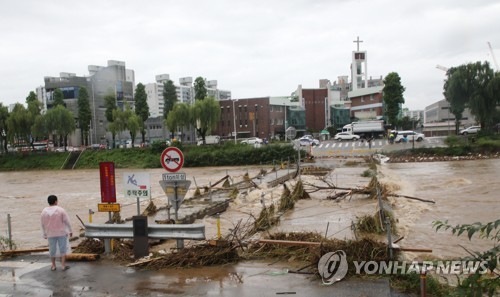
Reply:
x=185 y=93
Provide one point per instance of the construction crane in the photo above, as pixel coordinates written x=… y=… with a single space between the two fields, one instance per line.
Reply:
x=445 y=69
x=493 y=56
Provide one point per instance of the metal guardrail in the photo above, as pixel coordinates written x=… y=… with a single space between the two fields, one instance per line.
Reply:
x=181 y=231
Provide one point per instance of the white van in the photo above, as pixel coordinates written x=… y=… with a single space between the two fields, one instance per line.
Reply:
x=410 y=136
x=210 y=139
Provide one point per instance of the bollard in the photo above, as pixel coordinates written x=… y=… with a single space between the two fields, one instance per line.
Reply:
x=218 y=226
x=90 y=215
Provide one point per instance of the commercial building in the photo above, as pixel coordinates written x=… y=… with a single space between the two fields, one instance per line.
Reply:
x=439 y=121
x=184 y=90
x=113 y=79
x=265 y=117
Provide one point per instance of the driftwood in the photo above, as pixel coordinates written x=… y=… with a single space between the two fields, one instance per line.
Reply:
x=220 y=180
x=290 y=242
x=25 y=251
x=69 y=257
x=82 y=257
x=413 y=250
x=351 y=191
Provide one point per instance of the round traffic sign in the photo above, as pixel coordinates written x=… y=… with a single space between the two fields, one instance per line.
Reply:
x=172 y=159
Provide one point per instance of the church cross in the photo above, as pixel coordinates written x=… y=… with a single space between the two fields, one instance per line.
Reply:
x=358 y=42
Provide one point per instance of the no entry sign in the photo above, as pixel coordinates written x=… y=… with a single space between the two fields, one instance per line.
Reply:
x=172 y=159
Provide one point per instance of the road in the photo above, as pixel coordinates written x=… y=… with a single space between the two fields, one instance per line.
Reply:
x=330 y=148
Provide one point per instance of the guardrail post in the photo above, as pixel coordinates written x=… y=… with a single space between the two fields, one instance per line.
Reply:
x=180 y=244
x=141 y=245
x=107 y=246
x=9 y=228
x=210 y=190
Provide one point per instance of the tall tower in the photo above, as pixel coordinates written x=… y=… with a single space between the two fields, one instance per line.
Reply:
x=359 y=69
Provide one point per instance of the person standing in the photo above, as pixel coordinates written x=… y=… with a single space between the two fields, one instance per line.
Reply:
x=56 y=227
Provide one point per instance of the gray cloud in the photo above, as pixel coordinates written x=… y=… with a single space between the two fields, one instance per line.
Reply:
x=253 y=48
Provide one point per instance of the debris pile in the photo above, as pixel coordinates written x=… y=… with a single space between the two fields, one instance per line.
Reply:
x=90 y=246
x=150 y=209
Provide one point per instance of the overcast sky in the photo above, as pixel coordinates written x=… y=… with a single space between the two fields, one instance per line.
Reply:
x=252 y=48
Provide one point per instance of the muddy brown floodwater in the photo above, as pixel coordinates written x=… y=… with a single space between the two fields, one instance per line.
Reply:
x=464 y=191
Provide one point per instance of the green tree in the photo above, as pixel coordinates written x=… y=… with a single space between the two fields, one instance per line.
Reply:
x=141 y=107
x=40 y=128
x=110 y=105
x=133 y=125
x=58 y=98
x=19 y=124
x=180 y=116
x=4 y=115
x=34 y=106
x=477 y=283
x=61 y=122
x=393 y=96
x=457 y=91
x=203 y=115
x=200 y=89
x=84 y=114
x=407 y=123
x=169 y=97
x=482 y=104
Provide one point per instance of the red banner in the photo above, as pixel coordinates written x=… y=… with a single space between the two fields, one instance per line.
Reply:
x=108 y=189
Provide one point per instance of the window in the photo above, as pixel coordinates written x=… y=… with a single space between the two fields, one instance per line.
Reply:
x=371 y=97
x=362 y=99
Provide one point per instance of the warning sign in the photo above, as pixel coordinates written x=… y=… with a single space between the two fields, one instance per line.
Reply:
x=172 y=159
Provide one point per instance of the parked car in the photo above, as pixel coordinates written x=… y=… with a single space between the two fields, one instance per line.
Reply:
x=345 y=136
x=470 y=130
x=410 y=136
x=308 y=140
x=210 y=139
x=253 y=140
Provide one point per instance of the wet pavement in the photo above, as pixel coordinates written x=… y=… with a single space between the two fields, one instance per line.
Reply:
x=31 y=276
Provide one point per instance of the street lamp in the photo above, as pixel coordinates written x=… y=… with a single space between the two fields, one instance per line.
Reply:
x=285 y=122
x=234 y=120
x=93 y=103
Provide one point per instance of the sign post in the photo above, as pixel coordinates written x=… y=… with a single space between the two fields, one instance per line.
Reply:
x=174 y=184
x=137 y=185
x=108 y=195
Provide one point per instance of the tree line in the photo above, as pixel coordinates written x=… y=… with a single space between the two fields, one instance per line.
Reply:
x=25 y=125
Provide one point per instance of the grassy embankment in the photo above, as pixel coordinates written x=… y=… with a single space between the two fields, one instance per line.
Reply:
x=224 y=155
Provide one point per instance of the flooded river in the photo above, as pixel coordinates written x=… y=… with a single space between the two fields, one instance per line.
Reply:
x=464 y=191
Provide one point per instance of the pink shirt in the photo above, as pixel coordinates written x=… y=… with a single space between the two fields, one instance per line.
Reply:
x=55 y=222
